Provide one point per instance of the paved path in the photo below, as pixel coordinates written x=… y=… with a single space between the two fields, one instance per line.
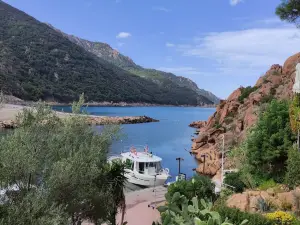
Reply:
x=141 y=206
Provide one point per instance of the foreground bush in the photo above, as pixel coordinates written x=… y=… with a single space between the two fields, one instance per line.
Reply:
x=177 y=211
x=198 y=186
x=292 y=177
x=234 y=179
x=61 y=171
x=237 y=216
x=267 y=184
x=268 y=142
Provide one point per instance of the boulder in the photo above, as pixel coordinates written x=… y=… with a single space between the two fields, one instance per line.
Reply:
x=198 y=124
x=240 y=201
x=8 y=124
x=285 y=197
x=290 y=64
x=234 y=95
x=253 y=203
x=270 y=192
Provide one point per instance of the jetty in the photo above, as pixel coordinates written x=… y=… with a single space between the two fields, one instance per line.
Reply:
x=9 y=112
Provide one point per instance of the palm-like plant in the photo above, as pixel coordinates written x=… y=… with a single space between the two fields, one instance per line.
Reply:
x=116 y=182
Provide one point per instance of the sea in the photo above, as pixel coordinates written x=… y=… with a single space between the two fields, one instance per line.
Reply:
x=170 y=138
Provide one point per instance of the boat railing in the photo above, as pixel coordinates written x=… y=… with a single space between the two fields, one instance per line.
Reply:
x=138 y=148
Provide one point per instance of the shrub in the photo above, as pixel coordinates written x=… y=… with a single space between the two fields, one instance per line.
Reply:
x=268 y=142
x=246 y=92
x=217 y=125
x=281 y=217
x=267 y=184
x=228 y=119
x=276 y=73
x=181 y=211
x=236 y=216
x=234 y=179
x=267 y=98
x=200 y=186
x=292 y=176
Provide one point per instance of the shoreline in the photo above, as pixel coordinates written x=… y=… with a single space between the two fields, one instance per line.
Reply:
x=124 y=104
x=9 y=112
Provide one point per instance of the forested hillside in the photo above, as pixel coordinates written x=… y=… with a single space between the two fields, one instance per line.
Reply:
x=163 y=79
x=37 y=62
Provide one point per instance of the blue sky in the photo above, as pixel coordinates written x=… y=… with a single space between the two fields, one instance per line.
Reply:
x=219 y=44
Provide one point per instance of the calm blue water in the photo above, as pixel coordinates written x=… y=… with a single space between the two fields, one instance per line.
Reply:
x=168 y=138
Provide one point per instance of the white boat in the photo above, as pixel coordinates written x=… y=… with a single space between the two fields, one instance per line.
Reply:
x=142 y=167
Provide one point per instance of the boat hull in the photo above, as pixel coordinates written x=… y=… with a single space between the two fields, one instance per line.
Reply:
x=138 y=179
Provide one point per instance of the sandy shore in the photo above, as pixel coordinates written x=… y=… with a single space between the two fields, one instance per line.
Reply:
x=9 y=112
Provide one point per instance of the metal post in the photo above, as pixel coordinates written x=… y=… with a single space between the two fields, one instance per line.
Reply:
x=222 y=170
x=179 y=161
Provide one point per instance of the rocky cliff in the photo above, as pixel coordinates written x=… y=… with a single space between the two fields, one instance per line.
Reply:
x=234 y=116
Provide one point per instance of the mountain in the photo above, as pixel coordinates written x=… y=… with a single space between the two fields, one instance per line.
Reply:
x=239 y=112
x=106 y=52
x=37 y=62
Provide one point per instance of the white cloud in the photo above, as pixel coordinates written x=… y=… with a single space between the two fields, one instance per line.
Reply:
x=169 y=45
x=235 y=2
x=120 y=44
x=123 y=35
x=244 y=52
x=161 y=8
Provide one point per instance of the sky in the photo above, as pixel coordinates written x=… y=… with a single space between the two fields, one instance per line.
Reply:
x=219 y=44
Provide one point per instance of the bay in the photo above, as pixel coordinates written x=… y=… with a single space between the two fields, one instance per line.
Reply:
x=170 y=138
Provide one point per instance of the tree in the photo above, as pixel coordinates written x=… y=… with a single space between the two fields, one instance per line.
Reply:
x=292 y=176
x=65 y=161
x=269 y=141
x=289 y=10
x=2 y=99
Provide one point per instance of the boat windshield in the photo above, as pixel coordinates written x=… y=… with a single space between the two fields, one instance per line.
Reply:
x=153 y=168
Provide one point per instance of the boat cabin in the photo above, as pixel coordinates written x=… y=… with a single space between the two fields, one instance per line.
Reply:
x=142 y=162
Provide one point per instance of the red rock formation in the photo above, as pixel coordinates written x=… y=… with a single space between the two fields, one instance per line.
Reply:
x=232 y=118
x=198 y=124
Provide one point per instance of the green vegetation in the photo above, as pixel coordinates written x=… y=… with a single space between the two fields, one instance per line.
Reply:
x=238 y=216
x=55 y=171
x=292 y=177
x=234 y=179
x=246 y=92
x=262 y=159
x=38 y=62
x=178 y=211
x=289 y=10
x=163 y=79
x=269 y=141
x=199 y=186
x=267 y=184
